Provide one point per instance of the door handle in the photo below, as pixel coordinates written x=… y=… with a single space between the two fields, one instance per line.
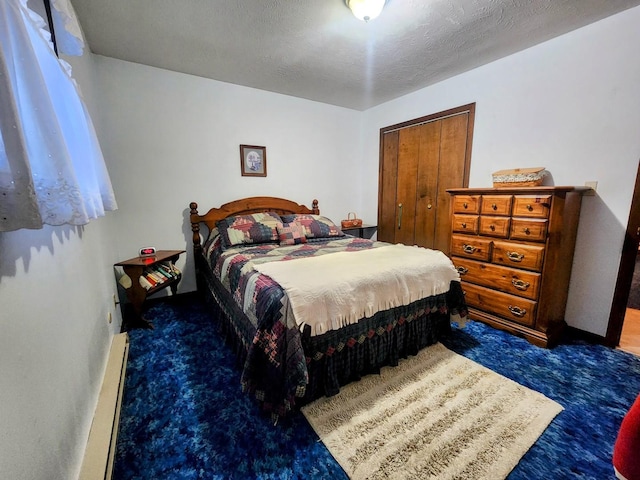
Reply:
x=399 y=216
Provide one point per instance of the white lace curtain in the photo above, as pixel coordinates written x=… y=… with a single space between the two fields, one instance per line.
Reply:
x=51 y=167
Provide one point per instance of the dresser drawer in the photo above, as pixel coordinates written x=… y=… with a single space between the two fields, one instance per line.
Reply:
x=532 y=230
x=466 y=204
x=471 y=247
x=536 y=206
x=518 y=255
x=465 y=223
x=508 y=280
x=515 y=309
x=496 y=205
x=495 y=226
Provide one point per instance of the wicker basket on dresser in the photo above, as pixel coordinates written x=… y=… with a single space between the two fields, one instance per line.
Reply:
x=513 y=248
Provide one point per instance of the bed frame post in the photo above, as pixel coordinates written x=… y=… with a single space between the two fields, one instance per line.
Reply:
x=195 y=227
x=314 y=207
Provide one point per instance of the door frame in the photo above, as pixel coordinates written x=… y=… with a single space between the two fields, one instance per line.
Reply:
x=625 y=270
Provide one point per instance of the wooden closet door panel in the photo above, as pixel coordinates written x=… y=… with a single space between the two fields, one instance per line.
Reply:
x=427 y=184
x=408 y=157
x=422 y=150
x=451 y=173
x=388 y=187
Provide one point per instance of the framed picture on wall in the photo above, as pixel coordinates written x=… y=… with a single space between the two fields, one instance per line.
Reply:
x=253 y=160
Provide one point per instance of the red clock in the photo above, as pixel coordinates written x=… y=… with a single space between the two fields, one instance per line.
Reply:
x=147 y=251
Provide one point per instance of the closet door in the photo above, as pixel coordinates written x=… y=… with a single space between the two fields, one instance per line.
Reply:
x=419 y=161
x=408 y=163
x=388 y=186
x=427 y=181
x=453 y=169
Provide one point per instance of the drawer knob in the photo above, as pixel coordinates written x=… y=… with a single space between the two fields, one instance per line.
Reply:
x=530 y=208
x=517 y=311
x=462 y=270
x=494 y=206
x=464 y=225
x=468 y=248
x=520 y=284
x=492 y=228
x=515 y=256
x=465 y=205
x=527 y=231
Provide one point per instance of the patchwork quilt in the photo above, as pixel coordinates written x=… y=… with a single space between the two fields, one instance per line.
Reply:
x=276 y=368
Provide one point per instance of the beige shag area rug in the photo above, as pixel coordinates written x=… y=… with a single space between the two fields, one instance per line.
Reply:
x=436 y=415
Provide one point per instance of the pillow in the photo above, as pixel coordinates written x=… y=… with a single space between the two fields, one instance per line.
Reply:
x=314 y=226
x=209 y=244
x=249 y=229
x=291 y=234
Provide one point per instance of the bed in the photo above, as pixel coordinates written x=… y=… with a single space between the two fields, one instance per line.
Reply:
x=260 y=260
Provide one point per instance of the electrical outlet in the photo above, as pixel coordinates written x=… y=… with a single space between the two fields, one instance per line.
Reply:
x=593 y=186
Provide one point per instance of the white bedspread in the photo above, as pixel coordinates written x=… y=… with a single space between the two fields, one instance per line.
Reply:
x=335 y=290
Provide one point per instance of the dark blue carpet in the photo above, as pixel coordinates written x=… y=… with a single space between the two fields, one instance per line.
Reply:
x=184 y=416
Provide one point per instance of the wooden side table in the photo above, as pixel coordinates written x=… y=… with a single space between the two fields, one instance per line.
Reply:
x=363 y=231
x=137 y=294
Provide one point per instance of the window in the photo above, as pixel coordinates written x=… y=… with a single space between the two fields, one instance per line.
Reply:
x=51 y=166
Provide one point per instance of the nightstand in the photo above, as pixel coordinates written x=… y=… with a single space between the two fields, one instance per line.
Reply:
x=144 y=276
x=363 y=231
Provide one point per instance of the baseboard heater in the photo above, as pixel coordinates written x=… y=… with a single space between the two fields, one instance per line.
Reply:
x=100 y=452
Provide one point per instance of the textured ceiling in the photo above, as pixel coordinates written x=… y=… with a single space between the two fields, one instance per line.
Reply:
x=316 y=49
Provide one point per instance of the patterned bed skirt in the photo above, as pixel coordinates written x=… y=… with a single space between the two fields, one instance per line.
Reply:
x=340 y=357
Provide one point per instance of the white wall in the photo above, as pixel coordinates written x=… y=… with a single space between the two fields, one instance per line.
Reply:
x=571 y=105
x=56 y=288
x=172 y=139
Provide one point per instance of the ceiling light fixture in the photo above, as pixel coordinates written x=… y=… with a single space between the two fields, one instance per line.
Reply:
x=366 y=9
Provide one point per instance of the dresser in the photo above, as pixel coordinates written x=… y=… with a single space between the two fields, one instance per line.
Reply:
x=513 y=248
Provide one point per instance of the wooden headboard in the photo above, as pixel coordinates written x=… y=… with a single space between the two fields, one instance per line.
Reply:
x=244 y=206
